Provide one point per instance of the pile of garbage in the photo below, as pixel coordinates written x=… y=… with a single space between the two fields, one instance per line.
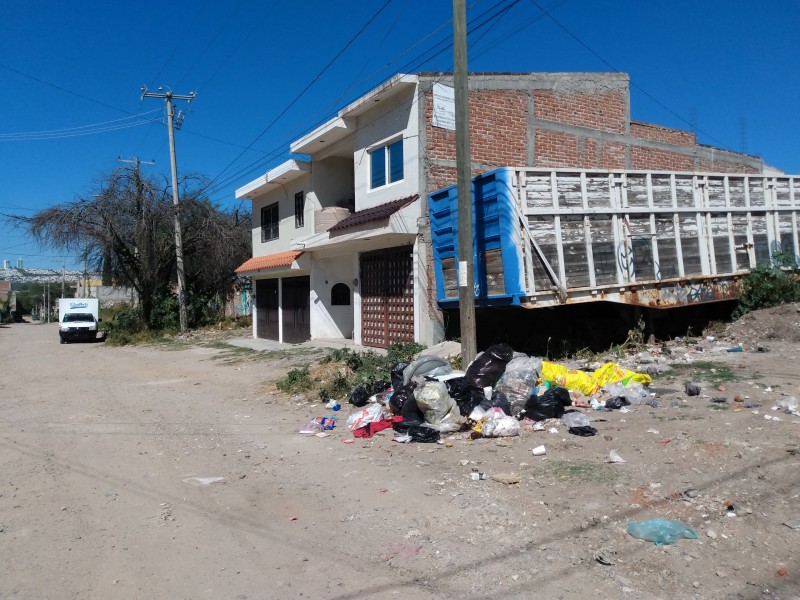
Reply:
x=499 y=393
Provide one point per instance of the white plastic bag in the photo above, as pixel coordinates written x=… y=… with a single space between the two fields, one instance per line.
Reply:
x=504 y=426
x=369 y=414
x=439 y=409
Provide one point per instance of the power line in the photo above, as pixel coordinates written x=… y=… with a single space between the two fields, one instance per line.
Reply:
x=299 y=95
x=476 y=24
x=613 y=68
x=62 y=89
x=66 y=133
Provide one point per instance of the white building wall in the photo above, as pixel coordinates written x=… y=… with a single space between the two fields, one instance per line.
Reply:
x=332 y=182
x=397 y=117
x=284 y=196
x=328 y=321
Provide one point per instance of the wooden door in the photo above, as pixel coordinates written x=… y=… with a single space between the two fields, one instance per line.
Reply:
x=387 y=296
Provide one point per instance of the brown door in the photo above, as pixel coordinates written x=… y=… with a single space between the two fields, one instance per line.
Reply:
x=387 y=297
x=295 y=298
x=267 y=309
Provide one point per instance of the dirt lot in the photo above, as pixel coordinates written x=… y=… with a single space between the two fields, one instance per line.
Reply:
x=173 y=472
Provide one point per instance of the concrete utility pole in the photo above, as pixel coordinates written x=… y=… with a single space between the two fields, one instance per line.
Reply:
x=169 y=97
x=466 y=277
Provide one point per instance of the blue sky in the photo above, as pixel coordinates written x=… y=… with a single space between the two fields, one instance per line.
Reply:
x=267 y=72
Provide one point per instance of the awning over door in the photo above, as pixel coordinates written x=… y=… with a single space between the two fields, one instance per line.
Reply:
x=271 y=261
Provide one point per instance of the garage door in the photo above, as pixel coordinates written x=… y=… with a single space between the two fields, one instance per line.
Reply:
x=387 y=297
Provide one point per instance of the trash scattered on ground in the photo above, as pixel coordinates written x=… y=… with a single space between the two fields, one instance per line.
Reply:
x=605 y=555
x=614 y=457
x=506 y=478
x=692 y=389
x=793 y=523
x=319 y=424
x=539 y=451
x=661 y=531
x=204 y=480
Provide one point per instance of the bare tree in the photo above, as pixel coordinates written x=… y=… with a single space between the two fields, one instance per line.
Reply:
x=125 y=230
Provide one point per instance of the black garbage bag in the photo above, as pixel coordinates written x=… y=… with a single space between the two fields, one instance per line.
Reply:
x=585 y=431
x=417 y=431
x=498 y=400
x=396 y=374
x=617 y=402
x=359 y=397
x=489 y=366
x=381 y=386
x=466 y=396
x=402 y=402
x=549 y=405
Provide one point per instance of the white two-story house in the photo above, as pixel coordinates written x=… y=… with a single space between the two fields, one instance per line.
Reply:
x=335 y=242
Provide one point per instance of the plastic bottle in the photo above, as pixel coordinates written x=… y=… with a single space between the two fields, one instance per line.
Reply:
x=575 y=419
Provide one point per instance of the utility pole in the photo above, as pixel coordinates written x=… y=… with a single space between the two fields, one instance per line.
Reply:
x=466 y=277
x=169 y=97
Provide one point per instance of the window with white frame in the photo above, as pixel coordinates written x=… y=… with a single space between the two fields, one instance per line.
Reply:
x=386 y=164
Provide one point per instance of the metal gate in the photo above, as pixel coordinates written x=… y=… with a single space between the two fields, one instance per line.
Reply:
x=295 y=305
x=387 y=296
x=267 y=309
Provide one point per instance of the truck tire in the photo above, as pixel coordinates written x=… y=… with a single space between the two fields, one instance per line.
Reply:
x=63 y=341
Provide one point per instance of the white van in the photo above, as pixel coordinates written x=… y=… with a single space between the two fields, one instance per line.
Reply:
x=78 y=319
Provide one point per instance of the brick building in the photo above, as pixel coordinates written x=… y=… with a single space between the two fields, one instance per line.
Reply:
x=341 y=247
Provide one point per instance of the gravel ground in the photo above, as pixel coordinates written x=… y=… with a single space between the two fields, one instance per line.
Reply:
x=177 y=472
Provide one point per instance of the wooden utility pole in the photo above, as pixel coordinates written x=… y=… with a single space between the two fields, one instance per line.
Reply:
x=466 y=277
x=169 y=97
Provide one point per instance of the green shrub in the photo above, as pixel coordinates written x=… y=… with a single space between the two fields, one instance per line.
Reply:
x=366 y=368
x=296 y=381
x=764 y=287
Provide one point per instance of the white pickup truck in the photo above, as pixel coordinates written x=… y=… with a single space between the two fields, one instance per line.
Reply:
x=78 y=319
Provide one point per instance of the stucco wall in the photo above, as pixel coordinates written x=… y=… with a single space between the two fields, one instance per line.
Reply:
x=387 y=122
x=284 y=196
x=328 y=321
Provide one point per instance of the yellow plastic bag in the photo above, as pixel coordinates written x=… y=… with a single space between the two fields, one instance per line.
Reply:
x=572 y=379
x=613 y=373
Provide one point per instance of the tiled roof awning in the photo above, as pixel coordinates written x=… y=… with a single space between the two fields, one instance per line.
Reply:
x=376 y=213
x=272 y=261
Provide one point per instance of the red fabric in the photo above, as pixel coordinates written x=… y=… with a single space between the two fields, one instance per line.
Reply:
x=371 y=429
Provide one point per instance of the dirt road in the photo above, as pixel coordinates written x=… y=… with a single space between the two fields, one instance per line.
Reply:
x=171 y=473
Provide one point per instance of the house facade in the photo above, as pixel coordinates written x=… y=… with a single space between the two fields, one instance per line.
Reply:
x=341 y=242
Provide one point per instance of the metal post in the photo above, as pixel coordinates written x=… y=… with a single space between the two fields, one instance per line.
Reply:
x=169 y=96
x=466 y=277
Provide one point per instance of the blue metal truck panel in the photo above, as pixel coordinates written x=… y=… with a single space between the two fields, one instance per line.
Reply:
x=496 y=245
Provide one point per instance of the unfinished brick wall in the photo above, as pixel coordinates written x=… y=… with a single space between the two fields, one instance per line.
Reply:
x=724 y=166
x=667 y=135
x=498 y=129
x=499 y=136
x=555 y=149
x=604 y=111
x=659 y=160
